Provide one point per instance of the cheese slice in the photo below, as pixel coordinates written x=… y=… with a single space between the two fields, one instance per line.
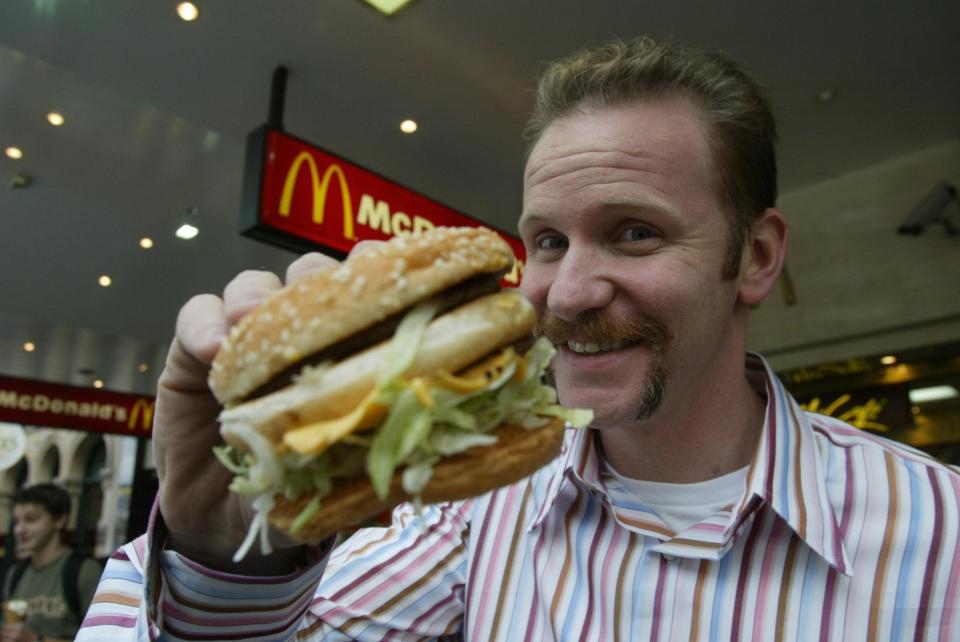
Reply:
x=316 y=437
x=478 y=376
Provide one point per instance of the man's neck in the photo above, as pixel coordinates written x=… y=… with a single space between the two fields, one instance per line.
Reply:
x=702 y=436
x=48 y=553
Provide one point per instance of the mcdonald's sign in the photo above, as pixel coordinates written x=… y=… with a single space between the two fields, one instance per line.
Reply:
x=39 y=403
x=301 y=197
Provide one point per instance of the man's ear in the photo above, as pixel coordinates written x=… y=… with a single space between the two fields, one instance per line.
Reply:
x=763 y=257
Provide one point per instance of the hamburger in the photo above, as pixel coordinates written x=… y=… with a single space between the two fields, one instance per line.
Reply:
x=405 y=372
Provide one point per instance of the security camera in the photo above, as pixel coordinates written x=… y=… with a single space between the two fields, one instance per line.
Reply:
x=932 y=210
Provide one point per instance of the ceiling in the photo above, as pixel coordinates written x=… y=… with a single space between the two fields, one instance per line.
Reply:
x=157 y=111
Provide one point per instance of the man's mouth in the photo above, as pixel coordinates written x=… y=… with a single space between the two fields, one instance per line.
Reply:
x=593 y=347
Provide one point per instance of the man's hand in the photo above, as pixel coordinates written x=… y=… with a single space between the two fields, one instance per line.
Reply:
x=18 y=632
x=206 y=522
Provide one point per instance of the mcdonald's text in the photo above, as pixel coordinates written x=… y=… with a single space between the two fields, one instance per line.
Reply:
x=302 y=197
x=38 y=403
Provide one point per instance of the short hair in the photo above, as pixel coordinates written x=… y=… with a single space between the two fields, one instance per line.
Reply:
x=741 y=127
x=51 y=497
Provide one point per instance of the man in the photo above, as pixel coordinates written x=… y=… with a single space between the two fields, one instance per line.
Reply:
x=56 y=583
x=703 y=504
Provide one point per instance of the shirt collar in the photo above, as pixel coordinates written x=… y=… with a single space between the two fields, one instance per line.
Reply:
x=788 y=472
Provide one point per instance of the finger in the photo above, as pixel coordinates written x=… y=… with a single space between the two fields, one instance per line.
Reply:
x=308 y=263
x=201 y=326
x=245 y=291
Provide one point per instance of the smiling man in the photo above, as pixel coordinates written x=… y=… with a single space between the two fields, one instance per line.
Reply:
x=702 y=503
x=56 y=583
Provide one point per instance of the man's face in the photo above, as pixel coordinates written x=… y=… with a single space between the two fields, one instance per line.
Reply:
x=34 y=527
x=626 y=239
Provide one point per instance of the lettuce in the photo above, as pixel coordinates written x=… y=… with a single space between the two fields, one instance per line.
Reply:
x=406 y=425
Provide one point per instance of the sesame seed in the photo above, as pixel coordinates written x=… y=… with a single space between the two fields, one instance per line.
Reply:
x=358 y=284
x=342 y=274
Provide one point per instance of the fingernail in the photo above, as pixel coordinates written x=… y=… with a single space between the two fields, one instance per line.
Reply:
x=214 y=335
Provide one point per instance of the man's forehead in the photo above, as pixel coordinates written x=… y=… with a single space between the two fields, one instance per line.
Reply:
x=29 y=507
x=667 y=127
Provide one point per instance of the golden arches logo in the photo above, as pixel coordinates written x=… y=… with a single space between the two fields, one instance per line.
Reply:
x=319 y=185
x=142 y=409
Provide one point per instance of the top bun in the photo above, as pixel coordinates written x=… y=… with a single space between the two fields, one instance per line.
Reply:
x=328 y=306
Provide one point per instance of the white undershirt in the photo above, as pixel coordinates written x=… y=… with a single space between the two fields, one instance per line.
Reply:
x=683 y=505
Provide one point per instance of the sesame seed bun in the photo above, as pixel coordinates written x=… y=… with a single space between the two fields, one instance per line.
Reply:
x=331 y=305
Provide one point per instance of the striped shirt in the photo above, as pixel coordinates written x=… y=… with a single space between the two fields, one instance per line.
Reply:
x=839 y=536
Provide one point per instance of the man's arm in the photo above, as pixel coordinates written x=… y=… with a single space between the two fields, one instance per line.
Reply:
x=195 y=600
x=408 y=577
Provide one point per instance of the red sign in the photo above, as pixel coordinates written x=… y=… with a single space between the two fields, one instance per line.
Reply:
x=37 y=403
x=302 y=197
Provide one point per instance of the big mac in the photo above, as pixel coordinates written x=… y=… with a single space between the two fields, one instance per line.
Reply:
x=403 y=372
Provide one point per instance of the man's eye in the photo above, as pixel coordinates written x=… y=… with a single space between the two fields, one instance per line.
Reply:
x=636 y=233
x=551 y=242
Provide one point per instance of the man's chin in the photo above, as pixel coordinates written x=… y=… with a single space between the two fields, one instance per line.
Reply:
x=615 y=408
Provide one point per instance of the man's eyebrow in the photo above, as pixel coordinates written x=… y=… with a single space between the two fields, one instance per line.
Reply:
x=528 y=217
x=629 y=202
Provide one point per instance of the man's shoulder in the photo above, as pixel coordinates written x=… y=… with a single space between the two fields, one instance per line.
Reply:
x=836 y=435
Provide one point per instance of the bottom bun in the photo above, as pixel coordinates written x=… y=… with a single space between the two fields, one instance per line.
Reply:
x=518 y=453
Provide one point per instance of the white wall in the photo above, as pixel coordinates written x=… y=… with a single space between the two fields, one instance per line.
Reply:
x=862 y=288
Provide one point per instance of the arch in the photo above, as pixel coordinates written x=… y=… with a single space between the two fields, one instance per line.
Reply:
x=48 y=466
x=76 y=469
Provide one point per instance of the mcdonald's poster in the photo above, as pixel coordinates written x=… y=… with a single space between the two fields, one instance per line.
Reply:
x=301 y=197
x=38 y=403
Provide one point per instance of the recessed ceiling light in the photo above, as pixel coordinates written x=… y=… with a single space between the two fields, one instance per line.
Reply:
x=55 y=118
x=97 y=383
x=29 y=346
x=146 y=242
x=14 y=152
x=932 y=393
x=827 y=95
x=388 y=6
x=888 y=360
x=188 y=11
x=408 y=126
x=143 y=367
x=105 y=281
x=187 y=231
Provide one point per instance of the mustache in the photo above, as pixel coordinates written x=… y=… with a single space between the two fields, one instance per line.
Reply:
x=595 y=326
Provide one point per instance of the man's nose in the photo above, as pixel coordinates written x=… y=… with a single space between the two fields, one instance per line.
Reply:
x=581 y=284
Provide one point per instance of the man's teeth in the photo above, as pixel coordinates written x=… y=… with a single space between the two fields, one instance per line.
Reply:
x=591 y=347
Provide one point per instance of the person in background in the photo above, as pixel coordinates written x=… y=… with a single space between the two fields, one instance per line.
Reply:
x=55 y=582
x=702 y=504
